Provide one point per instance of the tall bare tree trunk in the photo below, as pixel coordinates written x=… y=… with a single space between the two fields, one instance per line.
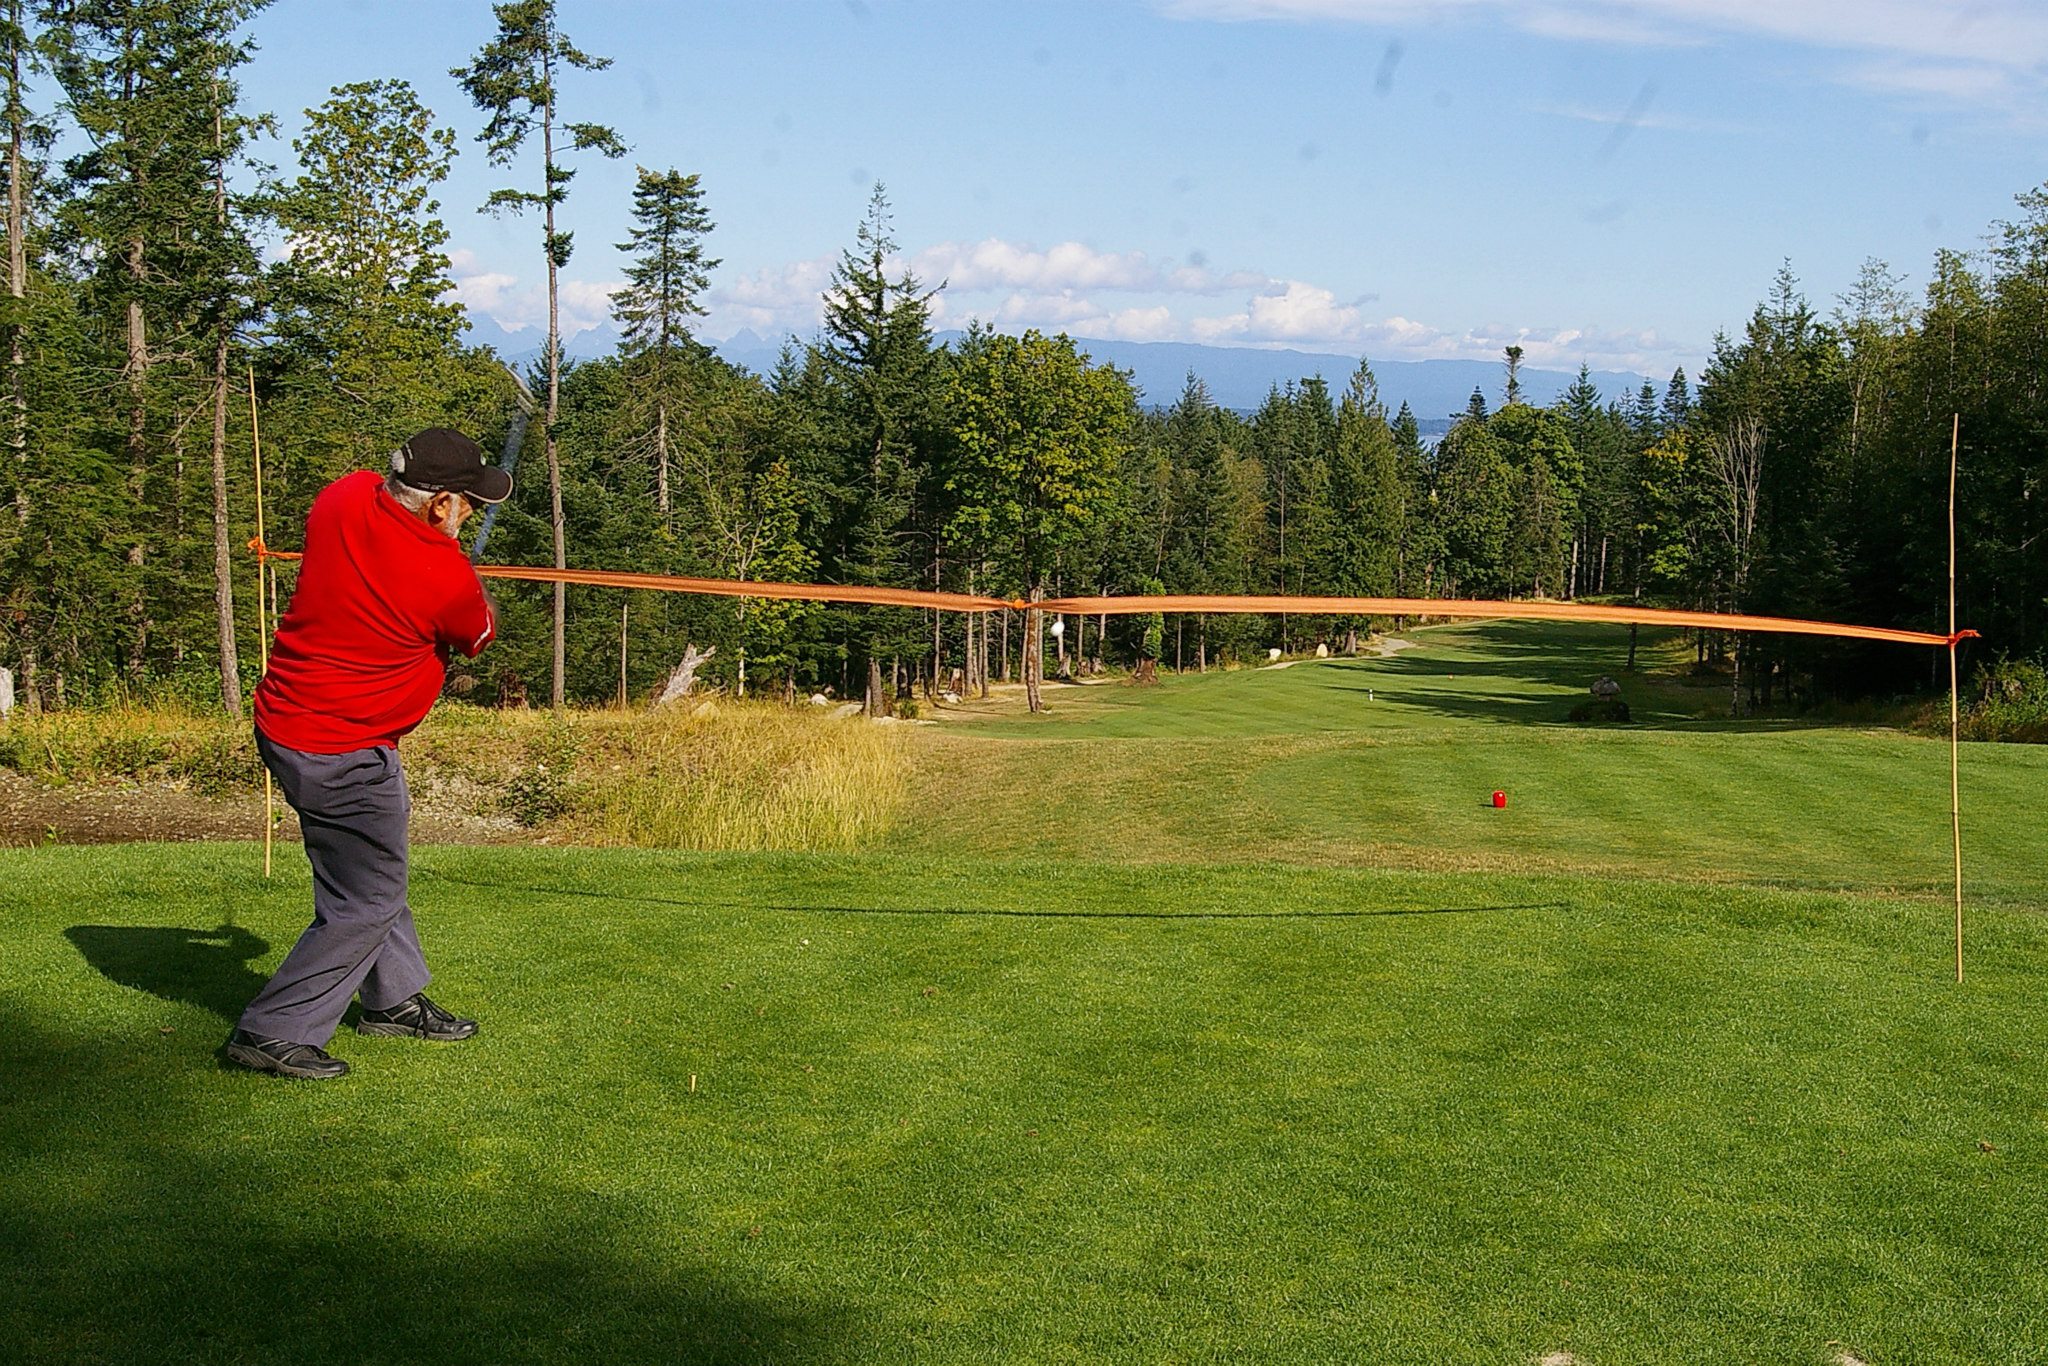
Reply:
x=1006 y=645
x=967 y=666
x=661 y=453
x=547 y=129
x=223 y=583
x=135 y=371
x=933 y=683
x=1034 y=652
x=17 y=374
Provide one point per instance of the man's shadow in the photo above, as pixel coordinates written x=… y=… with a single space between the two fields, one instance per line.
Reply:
x=206 y=968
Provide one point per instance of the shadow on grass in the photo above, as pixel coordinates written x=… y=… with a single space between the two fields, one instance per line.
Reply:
x=206 y=968
x=135 y=1234
x=981 y=912
x=1515 y=657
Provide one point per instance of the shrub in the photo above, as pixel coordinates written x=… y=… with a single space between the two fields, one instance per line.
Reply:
x=1600 y=710
x=2011 y=702
x=543 y=789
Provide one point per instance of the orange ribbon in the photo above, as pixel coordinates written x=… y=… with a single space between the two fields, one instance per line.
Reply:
x=1205 y=603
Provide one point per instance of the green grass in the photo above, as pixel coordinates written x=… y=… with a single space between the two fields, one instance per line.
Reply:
x=993 y=1112
x=1114 y=1051
x=1393 y=761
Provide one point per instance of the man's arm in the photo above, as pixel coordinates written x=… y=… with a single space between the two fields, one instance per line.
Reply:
x=469 y=624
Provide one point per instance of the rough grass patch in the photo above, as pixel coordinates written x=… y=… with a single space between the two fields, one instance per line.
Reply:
x=210 y=754
x=742 y=776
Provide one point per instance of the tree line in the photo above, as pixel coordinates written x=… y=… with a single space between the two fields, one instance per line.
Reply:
x=166 y=295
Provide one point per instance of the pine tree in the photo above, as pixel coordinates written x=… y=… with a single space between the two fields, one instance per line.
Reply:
x=878 y=355
x=667 y=270
x=363 y=329
x=1418 y=557
x=151 y=88
x=514 y=78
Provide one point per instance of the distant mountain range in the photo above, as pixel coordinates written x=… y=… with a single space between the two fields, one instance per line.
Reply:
x=1238 y=377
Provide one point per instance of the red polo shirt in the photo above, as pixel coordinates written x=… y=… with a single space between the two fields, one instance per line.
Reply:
x=382 y=598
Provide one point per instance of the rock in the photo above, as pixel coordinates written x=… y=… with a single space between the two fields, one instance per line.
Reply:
x=949 y=696
x=1600 y=710
x=846 y=709
x=819 y=699
x=705 y=709
x=1273 y=653
x=1322 y=650
x=1605 y=687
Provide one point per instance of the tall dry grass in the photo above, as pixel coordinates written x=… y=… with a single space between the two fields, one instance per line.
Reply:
x=737 y=775
x=724 y=775
x=163 y=742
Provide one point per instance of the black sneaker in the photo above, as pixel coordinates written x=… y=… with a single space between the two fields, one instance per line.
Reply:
x=281 y=1057
x=418 y=1018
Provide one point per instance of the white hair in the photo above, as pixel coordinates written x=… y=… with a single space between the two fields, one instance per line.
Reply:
x=411 y=499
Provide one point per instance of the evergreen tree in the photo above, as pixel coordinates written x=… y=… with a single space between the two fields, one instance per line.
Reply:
x=364 y=334
x=879 y=362
x=514 y=79
x=1476 y=486
x=667 y=270
x=1419 y=554
x=151 y=90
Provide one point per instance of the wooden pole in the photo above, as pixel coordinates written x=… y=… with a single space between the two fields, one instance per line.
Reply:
x=1955 y=791
x=262 y=609
x=625 y=602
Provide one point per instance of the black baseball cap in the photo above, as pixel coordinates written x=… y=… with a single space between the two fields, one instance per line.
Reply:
x=443 y=460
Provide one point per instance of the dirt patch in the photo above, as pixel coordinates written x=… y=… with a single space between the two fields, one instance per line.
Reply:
x=115 y=813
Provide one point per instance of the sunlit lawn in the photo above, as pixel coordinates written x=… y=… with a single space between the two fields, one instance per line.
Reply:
x=1135 y=1064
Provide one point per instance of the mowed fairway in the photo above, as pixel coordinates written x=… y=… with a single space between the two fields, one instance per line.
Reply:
x=1393 y=760
x=1116 y=1051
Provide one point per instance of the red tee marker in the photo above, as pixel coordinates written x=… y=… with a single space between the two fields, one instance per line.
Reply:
x=1500 y=799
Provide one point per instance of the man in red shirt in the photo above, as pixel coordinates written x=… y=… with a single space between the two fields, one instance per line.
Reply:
x=384 y=595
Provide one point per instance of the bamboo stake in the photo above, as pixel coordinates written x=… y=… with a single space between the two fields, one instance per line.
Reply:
x=262 y=610
x=625 y=602
x=1955 y=792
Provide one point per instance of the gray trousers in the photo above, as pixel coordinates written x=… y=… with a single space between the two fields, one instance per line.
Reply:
x=353 y=810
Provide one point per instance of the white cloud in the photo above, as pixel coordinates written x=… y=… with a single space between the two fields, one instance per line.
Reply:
x=1977 y=51
x=996 y=280
x=1632 y=117
x=513 y=303
x=996 y=264
x=1128 y=296
x=1955 y=82
x=771 y=302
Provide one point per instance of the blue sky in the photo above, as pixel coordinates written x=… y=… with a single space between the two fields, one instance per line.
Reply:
x=1602 y=180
